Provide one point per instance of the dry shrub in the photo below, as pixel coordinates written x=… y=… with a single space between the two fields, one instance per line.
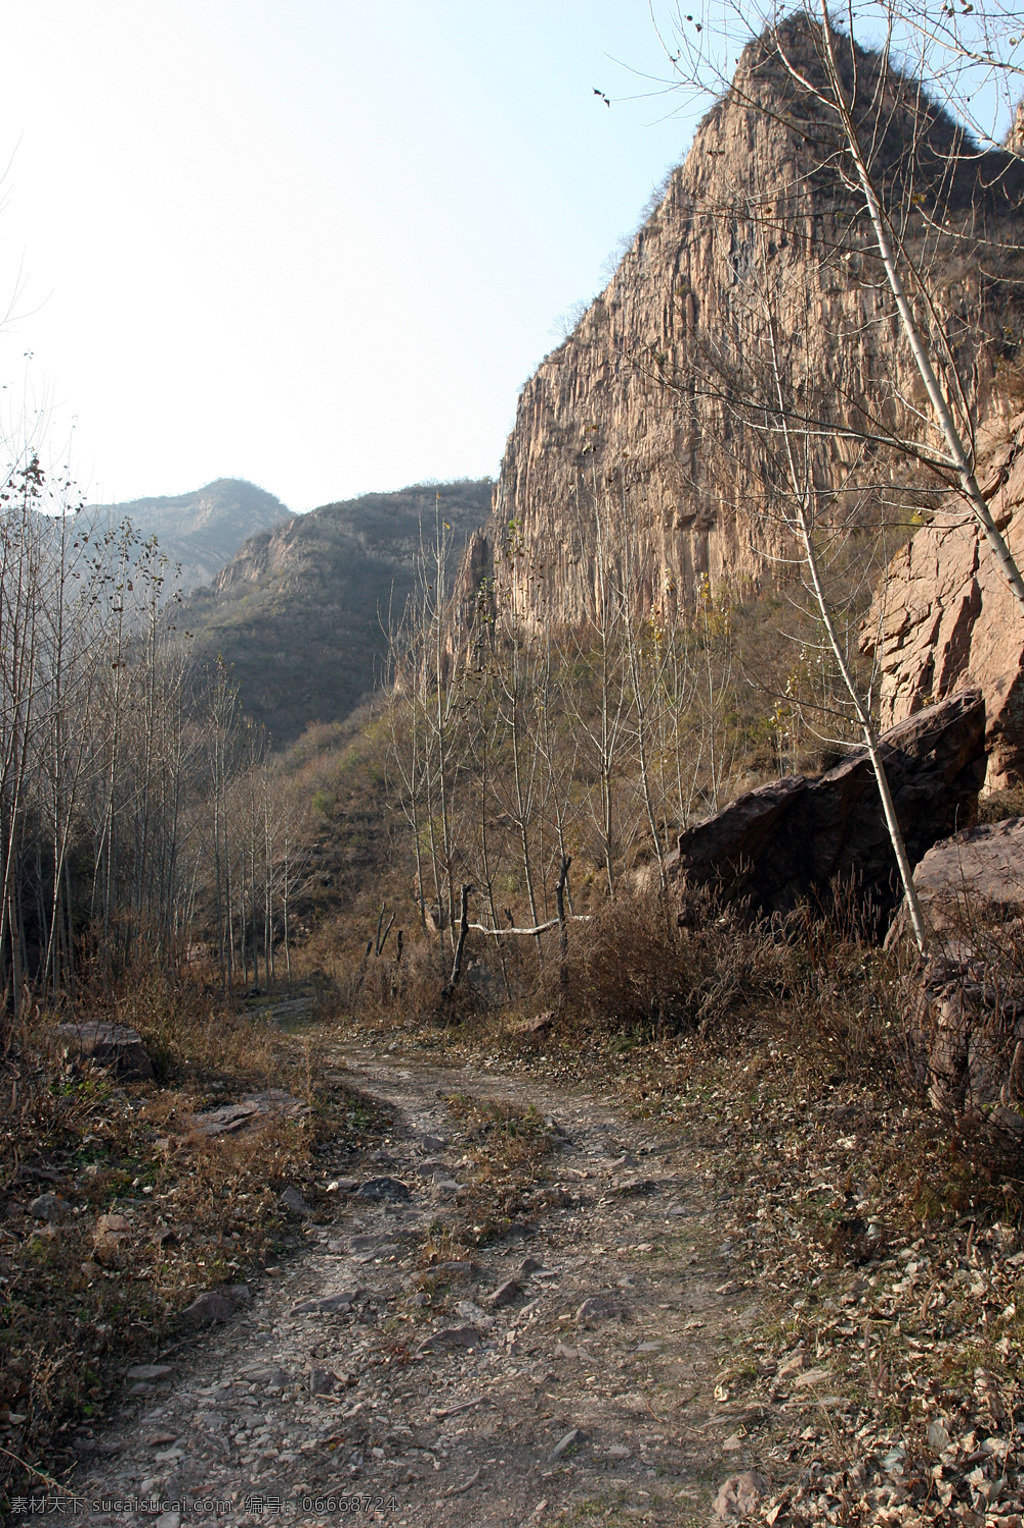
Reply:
x=998 y=805
x=415 y=992
x=504 y=1137
x=189 y=1030
x=668 y=966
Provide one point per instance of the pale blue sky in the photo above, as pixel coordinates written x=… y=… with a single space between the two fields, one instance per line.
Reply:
x=315 y=243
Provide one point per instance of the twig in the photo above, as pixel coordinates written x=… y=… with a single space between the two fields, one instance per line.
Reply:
x=458 y=1490
x=453 y=1411
x=32 y=1469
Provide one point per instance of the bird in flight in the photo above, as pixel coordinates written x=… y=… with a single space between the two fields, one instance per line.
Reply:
x=601 y=93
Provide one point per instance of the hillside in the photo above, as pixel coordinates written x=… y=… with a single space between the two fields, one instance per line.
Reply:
x=300 y=613
x=203 y=530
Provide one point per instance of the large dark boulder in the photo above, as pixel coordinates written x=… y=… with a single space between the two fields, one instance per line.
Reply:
x=791 y=839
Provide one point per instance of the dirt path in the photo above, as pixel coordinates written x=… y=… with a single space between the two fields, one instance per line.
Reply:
x=589 y=1394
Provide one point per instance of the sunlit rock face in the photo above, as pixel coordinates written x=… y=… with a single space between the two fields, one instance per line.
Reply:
x=630 y=452
x=945 y=620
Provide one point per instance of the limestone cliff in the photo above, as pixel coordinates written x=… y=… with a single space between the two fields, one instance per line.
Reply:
x=629 y=443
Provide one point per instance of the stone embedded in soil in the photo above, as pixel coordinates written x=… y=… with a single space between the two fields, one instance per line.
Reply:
x=597 y=1308
x=505 y=1294
x=473 y=1313
x=572 y=1437
x=272 y=1378
x=107 y=1225
x=739 y=1495
x=452 y=1337
x=635 y=1188
x=291 y=1200
x=321 y=1381
x=459 y=1272
x=50 y=1207
x=150 y=1371
x=210 y=1306
x=384 y=1188
x=429 y=1169
x=324 y=1305
x=272 y=1103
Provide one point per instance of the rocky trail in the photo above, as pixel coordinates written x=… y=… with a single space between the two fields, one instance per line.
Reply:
x=567 y=1370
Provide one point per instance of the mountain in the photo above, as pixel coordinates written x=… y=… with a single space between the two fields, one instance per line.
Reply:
x=634 y=439
x=203 y=530
x=300 y=612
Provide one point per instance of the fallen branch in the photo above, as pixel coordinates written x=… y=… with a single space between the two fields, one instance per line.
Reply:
x=541 y=928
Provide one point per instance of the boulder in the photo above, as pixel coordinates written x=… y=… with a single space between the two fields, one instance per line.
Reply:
x=976 y=874
x=792 y=838
x=108 y=1045
x=965 y=1010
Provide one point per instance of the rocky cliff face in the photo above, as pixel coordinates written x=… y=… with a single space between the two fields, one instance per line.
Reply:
x=629 y=445
x=944 y=619
x=200 y=531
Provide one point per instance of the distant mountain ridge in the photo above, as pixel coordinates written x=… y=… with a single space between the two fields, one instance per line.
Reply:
x=201 y=530
x=299 y=614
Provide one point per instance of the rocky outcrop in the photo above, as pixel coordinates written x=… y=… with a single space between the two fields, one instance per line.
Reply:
x=630 y=452
x=945 y=619
x=791 y=839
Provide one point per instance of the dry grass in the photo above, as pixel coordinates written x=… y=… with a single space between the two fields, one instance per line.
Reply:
x=506 y=1139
